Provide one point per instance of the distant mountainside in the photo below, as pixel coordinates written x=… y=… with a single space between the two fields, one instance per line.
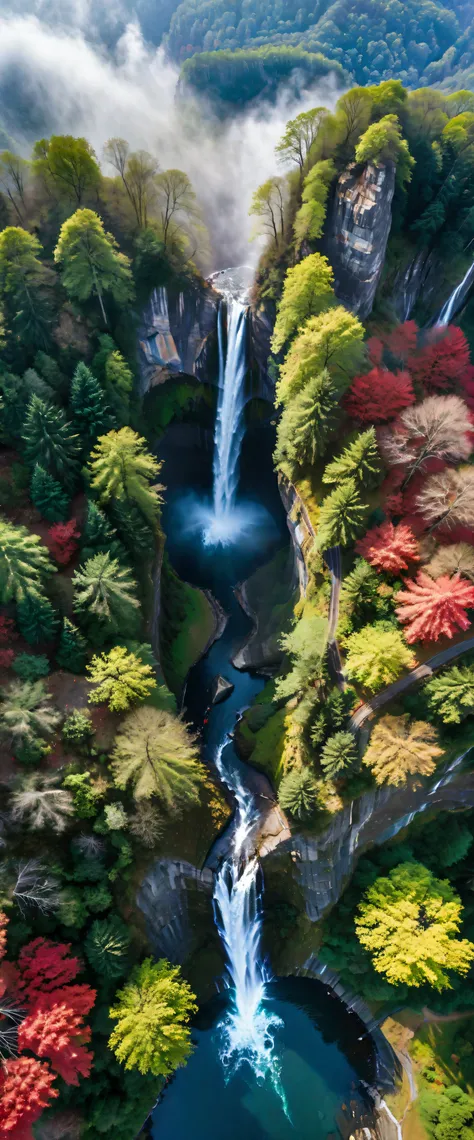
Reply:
x=418 y=41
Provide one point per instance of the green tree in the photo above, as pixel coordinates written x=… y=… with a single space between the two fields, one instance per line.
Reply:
x=152 y=1012
x=360 y=460
x=135 y=532
x=37 y=619
x=49 y=441
x=24 y=562
x=31 y=666
x=90 y=261
x=68 y=166
x=26 y=713
x=451 y=694
x=121 y=679
x=298 y=793
x=156 y=754
x=353 y=111
x=268 y=204
x=118 y=384
x=72 y=649
x=137 y=170
x=89 y=411
x=341 y=517
x=48 y=496
x=85 y=796
x=105 y=597
x=383 y=142
x=409 y=921
x=106 y=947
x=339 y=755
x=400 y=748
x=306 y=646
x=310 y=218
x=307 y=291
x=24 y=287
x=122 y=468
x=306 y=425
x=78 y=730
x=299 y=136
x=177 y=204
x=332 y=340
x=377 y=655
x=99 y=536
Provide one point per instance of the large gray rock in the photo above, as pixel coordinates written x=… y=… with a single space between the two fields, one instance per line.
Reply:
x=178 y=333
x=221 y=688
x=357 y=233
x=172 y=895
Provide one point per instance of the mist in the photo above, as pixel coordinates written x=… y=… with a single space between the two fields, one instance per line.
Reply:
x=55 y=80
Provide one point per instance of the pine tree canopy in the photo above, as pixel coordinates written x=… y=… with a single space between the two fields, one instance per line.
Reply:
x=24 y=562
x=156 y=754
x=121 y=679
x=50 y=441
x=360 y=461
x=122 y=468
x=306 y=424
x=89 y=410
x=105 y=591
x=377 y=655
x=451 y=693
x=48 y=496
x=298 y=793
x=307 y=290
x=152 y=1012
x=342 y=516
x=338 y=755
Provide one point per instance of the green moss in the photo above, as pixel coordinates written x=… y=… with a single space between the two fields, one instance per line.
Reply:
x=188 y=623
x=172 y=401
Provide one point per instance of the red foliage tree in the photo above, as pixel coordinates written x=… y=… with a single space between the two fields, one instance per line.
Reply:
x=6 y=658
x=63 y=541
x=25 y=1090
x=442 y=361
x=44 y=966
x=3 y=934
x=431 y=609
x=389 y=547
x=55 y=1029
x=8 y=632
x=402 y=341
x=375 y=349
x=379 y=395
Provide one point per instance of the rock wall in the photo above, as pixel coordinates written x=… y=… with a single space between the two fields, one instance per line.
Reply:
x=323 y=864
x=178 y=334
x=171 y=895
x=357 y=233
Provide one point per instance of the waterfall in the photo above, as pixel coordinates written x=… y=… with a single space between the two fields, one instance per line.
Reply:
x=230 y=417
x=456 y=299
x=247 y=1031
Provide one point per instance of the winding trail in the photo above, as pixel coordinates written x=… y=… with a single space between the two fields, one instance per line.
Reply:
x=417 y=674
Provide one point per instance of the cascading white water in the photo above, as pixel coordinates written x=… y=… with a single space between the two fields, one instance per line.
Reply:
x=454 y=302
x=247 y=1031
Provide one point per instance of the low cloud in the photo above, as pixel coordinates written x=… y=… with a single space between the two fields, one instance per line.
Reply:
x=55 y=80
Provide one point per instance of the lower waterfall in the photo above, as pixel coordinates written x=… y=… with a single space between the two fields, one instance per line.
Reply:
x=247 y=1029
x=455 y=300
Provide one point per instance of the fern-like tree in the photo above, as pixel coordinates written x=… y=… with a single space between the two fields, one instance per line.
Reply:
x=332 y=340
x=26 y=713
x=121 y=679
x=90 y=261
x=48 y=496
x=342 y=516
x=339 y=755
x=307 y=290
x=106 y=947
x=39 y=803
x=409 y=921
x=105 y=597
x=24 y=562
x=377 y=655
x=118 y=385
x=155 y=753
x=99 y=536
x=152 y=1012
x=450 y=695
x=306 y=424
x=90 y=414
x=50 y=441
x=72 y=649
x=122 y=468
x=360 y=461
x=298 y=793
x=400 y=747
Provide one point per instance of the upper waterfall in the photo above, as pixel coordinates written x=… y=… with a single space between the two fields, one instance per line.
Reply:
x=233 y=284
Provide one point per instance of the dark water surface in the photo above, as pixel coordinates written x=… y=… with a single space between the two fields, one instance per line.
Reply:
x=322 y=1048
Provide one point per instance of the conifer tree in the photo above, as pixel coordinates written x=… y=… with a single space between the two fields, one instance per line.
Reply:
x=49 y=441
x=152 y=1013
x=89 y=410
x=306 y=424
x=122 y=468
x=134 y=531
x=121 y=679
x=339 y=755
x=48 y=496
x=72 y=650
x=451 y=694
x=360 y=461
x=106 y=947
x=26 y=713
x=105 y=595
x=24 y=562
x=37 y=619
x=341 y=517
x=298 y=793
x=307 y=289
x=332 y=340
x=154 y=751
x=90 y=261
x=99 y=536
x=118 y=385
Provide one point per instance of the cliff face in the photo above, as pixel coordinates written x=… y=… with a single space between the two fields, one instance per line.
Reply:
x=323 y=864
x=357 y=233
x=178 y=334
x=172 y=897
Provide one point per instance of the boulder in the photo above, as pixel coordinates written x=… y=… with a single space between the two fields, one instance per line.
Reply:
x=221 y=689
x=357 y=233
